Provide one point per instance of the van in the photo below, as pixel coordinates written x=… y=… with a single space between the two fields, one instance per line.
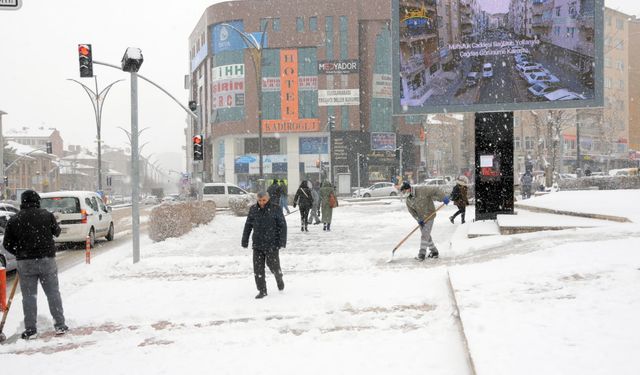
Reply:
x=220 y=192
x=80 y=214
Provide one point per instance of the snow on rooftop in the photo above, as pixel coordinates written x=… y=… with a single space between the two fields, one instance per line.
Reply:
x=31 y=132
x=21 y=149
x=82 y=155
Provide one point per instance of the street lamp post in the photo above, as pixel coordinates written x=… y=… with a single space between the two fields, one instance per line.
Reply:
x=97 y=100
x=256 y=58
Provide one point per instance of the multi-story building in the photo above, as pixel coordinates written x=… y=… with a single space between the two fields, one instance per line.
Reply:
x=37 y=138
x=32 y=168
x=634 y=89
x=320 y=61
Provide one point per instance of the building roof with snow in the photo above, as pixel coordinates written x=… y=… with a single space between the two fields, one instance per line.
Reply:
x=29 y=132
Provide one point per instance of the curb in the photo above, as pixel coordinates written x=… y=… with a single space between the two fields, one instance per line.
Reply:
x=617 y=219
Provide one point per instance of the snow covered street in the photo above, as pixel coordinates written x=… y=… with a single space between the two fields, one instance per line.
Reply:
x=548 y=302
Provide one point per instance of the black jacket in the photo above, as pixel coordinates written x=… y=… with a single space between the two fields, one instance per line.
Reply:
x=274 y=191
x=268 y=225
x=29 y=234
x=303 y=197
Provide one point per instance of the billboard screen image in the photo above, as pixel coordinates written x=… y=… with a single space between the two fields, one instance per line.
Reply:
x=493 y=55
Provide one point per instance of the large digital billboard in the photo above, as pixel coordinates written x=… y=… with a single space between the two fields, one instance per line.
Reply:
x=496 y=55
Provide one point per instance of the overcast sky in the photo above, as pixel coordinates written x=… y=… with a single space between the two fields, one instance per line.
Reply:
x=38 y=52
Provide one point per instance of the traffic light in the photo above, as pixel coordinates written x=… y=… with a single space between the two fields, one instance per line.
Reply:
x=197 y=147
x=332 y=123
x=6 y=181
x=49 y=148
x=86 y=60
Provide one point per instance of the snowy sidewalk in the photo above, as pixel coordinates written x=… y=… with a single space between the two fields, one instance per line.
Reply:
x=188 y=306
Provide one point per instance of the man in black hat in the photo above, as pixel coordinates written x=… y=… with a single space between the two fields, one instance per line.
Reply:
x=29 y=236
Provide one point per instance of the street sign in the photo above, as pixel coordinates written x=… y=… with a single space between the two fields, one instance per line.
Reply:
x=10 y=4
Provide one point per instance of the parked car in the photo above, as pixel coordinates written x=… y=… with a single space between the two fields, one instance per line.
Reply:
x=524 y=72
x=220 y=192
x=150 y=199
x=543 y=88
x=80 y=214
x=472 y=79
x=537 y=77
x=527 y=64
x=7 y=260
x=563 y=94
x=439 y=181
x=522 y=57
x=487 y=70
x=379 y=189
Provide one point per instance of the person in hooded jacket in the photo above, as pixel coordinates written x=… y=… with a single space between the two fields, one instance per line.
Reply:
x=303 y=199
x=326 y=194
x=269 y=228
x=315 y=207
x=30 y=237
x=459 y=197
x=275 y=190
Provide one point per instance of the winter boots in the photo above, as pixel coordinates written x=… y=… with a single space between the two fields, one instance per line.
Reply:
x=433 y=254
x=328 y=227
x=280 y=283
x=29 y=334
x=451 y=219
x=61 y=329
x=324 y=226
x=261 y=295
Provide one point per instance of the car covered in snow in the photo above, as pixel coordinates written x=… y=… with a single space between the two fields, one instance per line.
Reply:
x=487 y=70
x=537 y=77
x=563 y=94
x=542 y=88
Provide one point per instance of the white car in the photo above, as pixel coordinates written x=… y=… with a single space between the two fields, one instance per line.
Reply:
x=80 y=214
x=522 y=57
x=220 y=192
x=150 y=199
x=524 y=72
x=7 y=260
x=542 y=88
x=379 y=189
x=533 y=78
x=563 y=94
x=487 y=70
x=527 y=64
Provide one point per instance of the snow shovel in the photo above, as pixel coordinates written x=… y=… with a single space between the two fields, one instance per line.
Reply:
x=414 y=229
x=6 y=312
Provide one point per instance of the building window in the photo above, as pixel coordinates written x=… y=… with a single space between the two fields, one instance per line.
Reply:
x=607 y=62
x=299 y=24
x=608 y=20
x=263 y=24
x=607 y=83
x=558 y=9
x=275 y=22
x=619 y=24
x=570 y=32
x=329 y=36
x=516 y=143
x=529 y=143
x=621 y=84
x=344 y=37
x=313 y=23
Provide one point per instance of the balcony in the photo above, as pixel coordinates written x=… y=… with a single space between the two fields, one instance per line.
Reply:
x=585 y=20
x=541 y=23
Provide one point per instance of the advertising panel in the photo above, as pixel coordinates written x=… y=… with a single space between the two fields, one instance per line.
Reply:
x=227 y=86
x=338 y=97
x=382 y=86
x=338 y=66
x=313 y=145
x=305 y=83
x=496 y=55
x=199 y=57
x=383 y=141
x=224 y=38
x=251 y=165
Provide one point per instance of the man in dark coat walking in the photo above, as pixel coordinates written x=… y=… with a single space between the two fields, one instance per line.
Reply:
x=274 y=190
x=269 y=228
x=304 y=199
x=29 y=236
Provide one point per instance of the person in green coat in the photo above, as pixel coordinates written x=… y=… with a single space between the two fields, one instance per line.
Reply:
x=325 y=192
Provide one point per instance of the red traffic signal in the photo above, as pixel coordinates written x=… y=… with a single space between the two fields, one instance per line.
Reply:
x=86 y=60
x=197 y=139
x=197 y=147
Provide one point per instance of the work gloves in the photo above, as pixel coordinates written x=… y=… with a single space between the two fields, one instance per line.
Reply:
x=446 y=199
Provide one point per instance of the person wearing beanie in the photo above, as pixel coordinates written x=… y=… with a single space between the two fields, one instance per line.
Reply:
x=29 y=236
x=420 y=205
x=459 y=197
x=274 y=191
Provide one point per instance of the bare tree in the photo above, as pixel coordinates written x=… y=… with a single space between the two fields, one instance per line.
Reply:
x=549 y=126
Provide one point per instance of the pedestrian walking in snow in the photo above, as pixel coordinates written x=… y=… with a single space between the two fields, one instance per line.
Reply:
x=274 y=191
x=525 y=182
x=315 y=206
x=420 y=206
x=303 y=199
x=284 y=196
x=29 y=236
x=459 y=197
x=328 y=202
x=269 y=228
